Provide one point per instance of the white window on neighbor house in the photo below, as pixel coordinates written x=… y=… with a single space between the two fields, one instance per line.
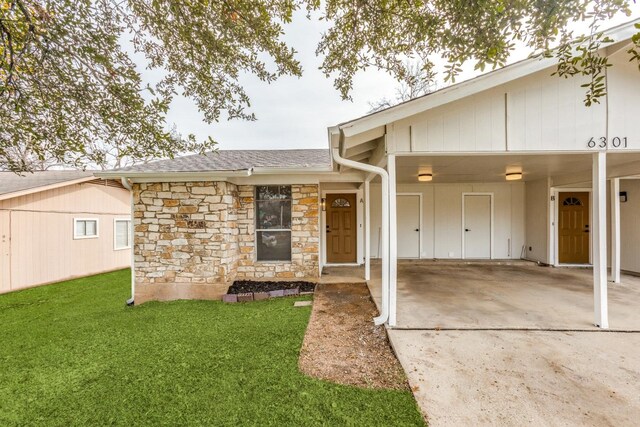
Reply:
x=85 y=228
x=121 y=233
x=273 y=223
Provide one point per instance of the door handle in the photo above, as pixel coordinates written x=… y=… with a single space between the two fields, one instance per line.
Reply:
x=417 y=229
x=466 y=229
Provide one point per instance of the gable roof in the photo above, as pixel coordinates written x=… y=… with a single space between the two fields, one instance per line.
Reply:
x=13 y=185
x=234 y=160
x=494 y=78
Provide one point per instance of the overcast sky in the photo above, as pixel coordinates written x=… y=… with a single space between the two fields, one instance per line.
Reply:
x=295 y=112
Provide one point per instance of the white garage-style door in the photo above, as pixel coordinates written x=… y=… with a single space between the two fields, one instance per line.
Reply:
x=408 y=213
x=477 y=226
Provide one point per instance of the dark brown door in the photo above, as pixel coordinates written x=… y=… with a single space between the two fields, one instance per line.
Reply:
x=573 y=230
x=341 y=228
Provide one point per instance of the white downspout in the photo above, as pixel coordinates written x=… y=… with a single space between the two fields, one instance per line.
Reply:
x=384 y=244
x=367 y=231
x=127 y=184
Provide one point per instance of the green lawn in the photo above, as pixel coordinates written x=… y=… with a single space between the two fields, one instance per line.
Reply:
x=73 y=354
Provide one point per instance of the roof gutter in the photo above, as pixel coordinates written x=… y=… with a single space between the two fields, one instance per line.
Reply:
x=127 y=184
x=211 y=175
x=384 y=243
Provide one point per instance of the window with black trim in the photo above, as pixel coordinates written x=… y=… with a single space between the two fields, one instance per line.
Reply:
x=273 y=223
x=572 y=201
x=340 y=203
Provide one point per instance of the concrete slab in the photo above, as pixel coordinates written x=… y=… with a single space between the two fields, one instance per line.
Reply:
x=512 y=378
x=342 y=274
x=302 y=303
x=433 y=294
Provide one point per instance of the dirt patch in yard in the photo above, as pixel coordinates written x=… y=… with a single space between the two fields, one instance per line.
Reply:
x=343 y=345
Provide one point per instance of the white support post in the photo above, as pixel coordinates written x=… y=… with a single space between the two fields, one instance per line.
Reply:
x=599 y=236
x=615 y=230
x=393 y=239
x=367 y=232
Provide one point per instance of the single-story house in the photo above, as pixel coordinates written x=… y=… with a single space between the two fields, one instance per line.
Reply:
x=509 y=165
x=57 y=225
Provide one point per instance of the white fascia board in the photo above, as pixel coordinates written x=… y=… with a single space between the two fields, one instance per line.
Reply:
x=46 y=187
x=168 y=176
x=288 y=171
x=469 y=87
x=282 y=174
x=334 y=138
x=313 y=178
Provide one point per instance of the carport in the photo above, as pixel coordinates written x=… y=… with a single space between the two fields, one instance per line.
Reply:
x=441 y=295
x=470 y=241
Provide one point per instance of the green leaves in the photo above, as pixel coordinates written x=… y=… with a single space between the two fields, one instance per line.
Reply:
x=70 y=93
x=385 y=34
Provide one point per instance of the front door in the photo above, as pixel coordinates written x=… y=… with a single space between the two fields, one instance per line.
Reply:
x=408 y=212
x=573 y=228
x=342 y=230
x=477 y=226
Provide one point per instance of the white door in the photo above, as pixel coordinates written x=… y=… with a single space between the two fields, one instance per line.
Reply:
x=477 y=226
x=408 y=213
x=5 y=252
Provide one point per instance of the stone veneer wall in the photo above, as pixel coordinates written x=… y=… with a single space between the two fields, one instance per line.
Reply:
x=305 y=236
x=185 y=232
x=189 y=234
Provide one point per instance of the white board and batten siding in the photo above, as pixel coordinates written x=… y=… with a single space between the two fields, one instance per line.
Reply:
x=536 y=113
x=37 y=244
x=472 y=124
x=624 y=92
x=630 y=226
x=442 y=218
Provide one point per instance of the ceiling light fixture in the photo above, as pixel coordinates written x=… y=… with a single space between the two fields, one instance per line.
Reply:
x=513 y=176
x=425 y=177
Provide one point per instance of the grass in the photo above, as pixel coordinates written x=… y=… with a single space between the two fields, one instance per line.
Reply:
x=73 y=354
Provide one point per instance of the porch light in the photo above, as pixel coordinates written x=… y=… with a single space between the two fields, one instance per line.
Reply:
x=623 y=197
x=425 y=177
x=513 y=176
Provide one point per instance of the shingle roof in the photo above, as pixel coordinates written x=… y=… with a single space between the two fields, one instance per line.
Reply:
x=232 y=160
x=11 y=182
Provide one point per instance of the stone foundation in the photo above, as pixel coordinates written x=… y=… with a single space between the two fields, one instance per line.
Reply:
x=192 y=239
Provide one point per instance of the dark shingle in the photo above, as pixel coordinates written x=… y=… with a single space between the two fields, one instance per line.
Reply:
x=11 y=182
x=231 y=160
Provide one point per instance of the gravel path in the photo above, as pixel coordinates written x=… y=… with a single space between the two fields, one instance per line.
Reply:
x=343 y=345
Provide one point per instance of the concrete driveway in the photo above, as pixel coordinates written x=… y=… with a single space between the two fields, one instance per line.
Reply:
x=464 y=370
x=511 y=378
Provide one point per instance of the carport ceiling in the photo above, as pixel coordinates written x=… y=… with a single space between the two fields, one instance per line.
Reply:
x=492 y=168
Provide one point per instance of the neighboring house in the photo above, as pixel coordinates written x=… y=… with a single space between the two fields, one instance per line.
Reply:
x=507 y=165
x=55 y=225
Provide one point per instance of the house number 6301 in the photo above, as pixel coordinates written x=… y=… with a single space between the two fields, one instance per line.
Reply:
x=615 y=142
